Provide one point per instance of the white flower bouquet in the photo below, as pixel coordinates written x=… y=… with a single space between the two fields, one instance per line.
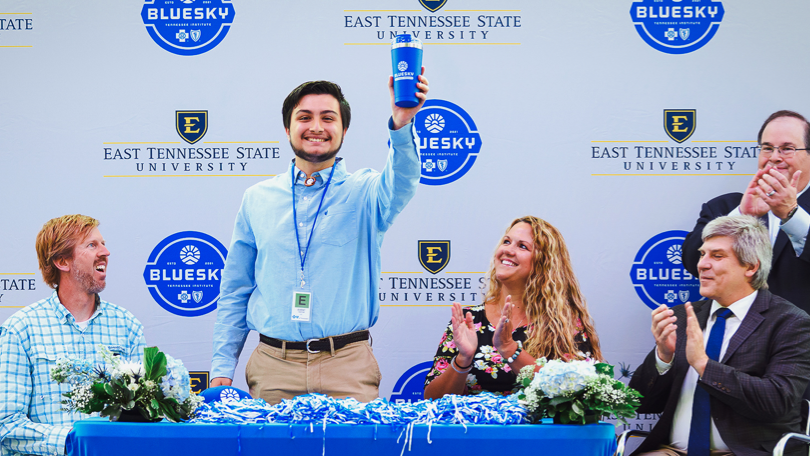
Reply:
x=575 y=392
x=158 y=388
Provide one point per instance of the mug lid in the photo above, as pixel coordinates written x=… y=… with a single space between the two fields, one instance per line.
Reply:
x=406 y=40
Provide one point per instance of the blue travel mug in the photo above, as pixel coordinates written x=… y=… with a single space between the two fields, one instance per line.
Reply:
x=406 y=60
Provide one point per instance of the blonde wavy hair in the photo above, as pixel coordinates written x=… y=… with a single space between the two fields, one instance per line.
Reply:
x=552 y=297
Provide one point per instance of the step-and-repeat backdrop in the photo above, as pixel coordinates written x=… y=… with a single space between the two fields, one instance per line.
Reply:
x=612 y=120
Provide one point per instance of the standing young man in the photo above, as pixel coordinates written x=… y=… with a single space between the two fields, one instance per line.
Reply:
x=304 y=261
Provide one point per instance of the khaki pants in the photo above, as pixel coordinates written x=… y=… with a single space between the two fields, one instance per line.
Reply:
x=274 y=374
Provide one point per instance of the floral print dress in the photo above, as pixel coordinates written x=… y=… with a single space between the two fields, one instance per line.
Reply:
x=490 y=372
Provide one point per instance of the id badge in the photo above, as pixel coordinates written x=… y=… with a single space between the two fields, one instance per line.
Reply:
x=301 y=306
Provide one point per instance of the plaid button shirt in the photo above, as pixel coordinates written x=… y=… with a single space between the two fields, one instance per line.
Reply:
x=31 y=419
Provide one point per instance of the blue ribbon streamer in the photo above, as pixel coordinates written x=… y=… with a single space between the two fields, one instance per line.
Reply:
x=319 y=409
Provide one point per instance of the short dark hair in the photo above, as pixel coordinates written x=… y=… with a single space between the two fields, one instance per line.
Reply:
x=786 y=113
x=316 y=88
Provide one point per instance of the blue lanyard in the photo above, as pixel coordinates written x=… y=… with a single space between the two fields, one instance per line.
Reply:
x=295 y=218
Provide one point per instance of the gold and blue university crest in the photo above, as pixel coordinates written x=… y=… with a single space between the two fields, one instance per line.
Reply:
x=433 y=5
x=191 y=125
x=199 y=381
x=680 y=123
x=434 y=255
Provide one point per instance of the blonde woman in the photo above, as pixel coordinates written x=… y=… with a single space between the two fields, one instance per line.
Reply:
x=533 y=308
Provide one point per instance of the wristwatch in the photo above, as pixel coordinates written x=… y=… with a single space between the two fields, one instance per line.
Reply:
x=790 y=215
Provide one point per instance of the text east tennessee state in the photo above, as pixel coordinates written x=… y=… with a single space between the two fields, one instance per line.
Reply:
x=192 y=153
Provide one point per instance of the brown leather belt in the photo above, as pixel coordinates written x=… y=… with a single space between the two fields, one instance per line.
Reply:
x=317 y=345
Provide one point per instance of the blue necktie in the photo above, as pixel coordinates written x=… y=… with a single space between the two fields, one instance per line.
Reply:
x=701 y=428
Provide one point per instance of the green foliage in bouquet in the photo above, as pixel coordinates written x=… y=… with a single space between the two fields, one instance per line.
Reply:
x=575 y=392
x=158 y=388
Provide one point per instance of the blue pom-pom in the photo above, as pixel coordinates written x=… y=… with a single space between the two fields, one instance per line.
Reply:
x=318 y=409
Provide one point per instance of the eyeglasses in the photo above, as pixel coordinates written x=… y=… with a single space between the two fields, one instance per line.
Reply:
x=786 y=151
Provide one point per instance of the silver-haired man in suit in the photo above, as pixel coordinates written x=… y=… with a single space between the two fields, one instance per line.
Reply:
x=727 y=374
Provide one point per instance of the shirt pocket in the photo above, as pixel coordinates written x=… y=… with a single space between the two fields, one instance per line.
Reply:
x=44 y=358
x=339 y=225
x=47 y=393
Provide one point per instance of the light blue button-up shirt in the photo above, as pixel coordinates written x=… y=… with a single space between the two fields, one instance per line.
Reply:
x=342 y=267
x=31 y=419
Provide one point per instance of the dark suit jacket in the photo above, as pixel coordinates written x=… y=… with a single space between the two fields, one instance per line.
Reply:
x=790 y=275
x=755 y=390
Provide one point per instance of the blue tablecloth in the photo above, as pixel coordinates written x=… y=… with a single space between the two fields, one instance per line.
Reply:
x=99 y=437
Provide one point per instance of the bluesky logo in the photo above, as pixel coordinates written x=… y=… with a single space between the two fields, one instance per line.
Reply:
x=411 y=385
x=658 y=274
x=188 y=28
x=677 y=26
x=183 y=273
x=449 y=142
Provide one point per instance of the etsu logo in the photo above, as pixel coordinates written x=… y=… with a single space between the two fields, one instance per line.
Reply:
x=449 y=142
x=434 y=255
x=658 y=274
x=411 y=385
x=199 y=381
x=188 y=28
x=183 y=273
x=677 y=26
x=680 y=123
x=191 y=125
x=432 y=5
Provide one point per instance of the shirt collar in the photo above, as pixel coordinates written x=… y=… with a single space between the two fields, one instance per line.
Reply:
x=739 y=308
x=64 y=315
x=323 y=175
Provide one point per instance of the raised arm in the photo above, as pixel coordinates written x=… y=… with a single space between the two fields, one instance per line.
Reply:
x=458 y=345
x=396 y=185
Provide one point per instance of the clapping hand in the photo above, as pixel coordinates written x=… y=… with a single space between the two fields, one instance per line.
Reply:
x=663 y=329
x=770 y=190
x=777 y=192
x=464 y=335
x=502 y=340
x=695 y=350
